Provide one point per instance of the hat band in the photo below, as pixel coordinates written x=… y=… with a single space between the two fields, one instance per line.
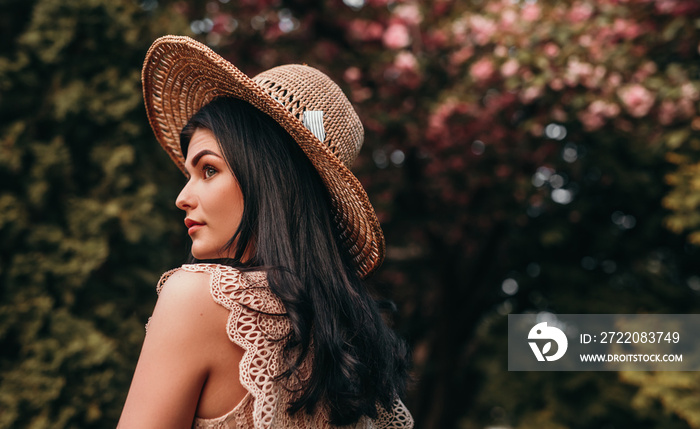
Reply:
x=313 y=121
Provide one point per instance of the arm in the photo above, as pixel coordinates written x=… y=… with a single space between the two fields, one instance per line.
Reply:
x=176 y=356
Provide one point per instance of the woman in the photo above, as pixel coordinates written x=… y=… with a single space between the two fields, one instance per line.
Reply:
x=271 y=326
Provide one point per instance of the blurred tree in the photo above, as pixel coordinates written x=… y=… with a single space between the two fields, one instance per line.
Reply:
x=81 y=241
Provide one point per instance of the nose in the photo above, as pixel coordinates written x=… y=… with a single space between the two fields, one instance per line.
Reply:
x=184 y=200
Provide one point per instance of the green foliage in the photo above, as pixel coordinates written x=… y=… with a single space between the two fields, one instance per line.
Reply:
x=82 y=242
x=684 y=198
x=677 y=391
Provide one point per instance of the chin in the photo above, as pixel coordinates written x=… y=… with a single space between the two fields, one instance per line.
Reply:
x=201 y=255
x=204 y=254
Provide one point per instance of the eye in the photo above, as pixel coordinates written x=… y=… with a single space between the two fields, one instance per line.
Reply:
x=209 y=171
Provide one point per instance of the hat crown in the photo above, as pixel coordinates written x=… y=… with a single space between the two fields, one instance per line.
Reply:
x=300 y=88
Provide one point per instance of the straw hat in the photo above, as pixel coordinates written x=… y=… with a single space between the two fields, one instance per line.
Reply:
x=181 y=75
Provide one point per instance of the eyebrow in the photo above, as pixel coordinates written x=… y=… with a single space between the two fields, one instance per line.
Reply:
x=196 y=158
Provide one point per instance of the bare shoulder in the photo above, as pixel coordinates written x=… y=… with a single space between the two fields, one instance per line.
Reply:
x=185 y=282
x=186 y=331
x=185 y=308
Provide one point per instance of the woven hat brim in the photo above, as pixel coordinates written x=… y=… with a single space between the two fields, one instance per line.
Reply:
x=181 y=75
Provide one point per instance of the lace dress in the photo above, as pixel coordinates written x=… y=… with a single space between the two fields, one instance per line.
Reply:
x=257 y=323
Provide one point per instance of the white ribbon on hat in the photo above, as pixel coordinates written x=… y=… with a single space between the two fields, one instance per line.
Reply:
x=313 y=121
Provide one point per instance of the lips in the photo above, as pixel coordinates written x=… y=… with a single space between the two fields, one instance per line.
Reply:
x=192 y=225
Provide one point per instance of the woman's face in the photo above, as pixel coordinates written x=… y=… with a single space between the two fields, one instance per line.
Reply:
x=212 y=199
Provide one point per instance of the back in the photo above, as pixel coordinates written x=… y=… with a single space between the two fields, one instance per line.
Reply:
x=257 y=324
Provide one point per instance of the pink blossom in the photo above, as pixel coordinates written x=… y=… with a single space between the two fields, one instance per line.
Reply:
x=575 y=70
x=460 y=31
x=556 y=84
x=508 y=19
x=604 y=108
x=361 y=94
x=650 y=67
x=636 y=99
x=500 y=51
x=361 y=29
x=435 y=39
x=408 y=13
x=558 y=114
x=482 y=29
x=646 y=70
x=405 y=61
x=531 y=12
x=688 y=91
x=592 y=80
x=597 y=113
x=462 y=55
x=590 y=121
x=224 y=24
x=396 y=36
x=615 y=79
x=580 y=12
x=495 y=7
x=531 y=94
x=667 y=112
x=482 y=69
x=352 y=74
x=551 y=50
x=639 y=76
x=627 y=29
x=585 y=40
x=677 y=7
x=510 y=67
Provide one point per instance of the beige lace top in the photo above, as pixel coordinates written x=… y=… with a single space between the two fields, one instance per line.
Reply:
x=256 y=322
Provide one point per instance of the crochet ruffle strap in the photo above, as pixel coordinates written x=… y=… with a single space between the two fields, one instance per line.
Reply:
x=397 y=418
x=257 y=324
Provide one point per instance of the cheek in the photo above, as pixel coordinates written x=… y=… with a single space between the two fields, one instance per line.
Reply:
x=235 y=209
x=226 y=205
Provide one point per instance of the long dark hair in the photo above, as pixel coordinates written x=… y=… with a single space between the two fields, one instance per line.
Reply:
x=358 y=362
